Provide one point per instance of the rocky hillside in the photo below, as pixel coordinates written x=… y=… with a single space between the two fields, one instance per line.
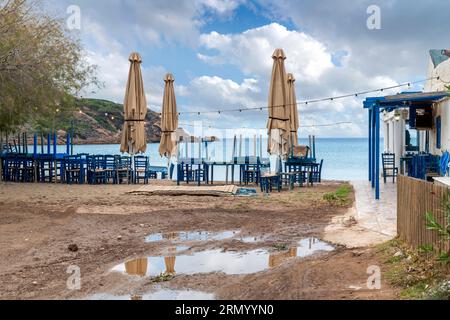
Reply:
x=101 y=122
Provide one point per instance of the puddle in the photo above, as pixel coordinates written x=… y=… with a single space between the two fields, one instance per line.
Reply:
x=162 y=294
x=231 y=263
x=191 y=236
x=250 y=239
x=246 y=192
x=310 y=246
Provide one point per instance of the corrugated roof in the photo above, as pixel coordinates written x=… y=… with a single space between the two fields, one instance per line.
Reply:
x=428 y=96
x=407 y=98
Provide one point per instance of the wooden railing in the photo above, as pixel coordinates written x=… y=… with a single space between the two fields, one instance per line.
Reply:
x=415 y=199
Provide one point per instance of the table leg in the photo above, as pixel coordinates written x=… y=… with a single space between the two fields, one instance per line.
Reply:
x=226 y=174
x=232 y=174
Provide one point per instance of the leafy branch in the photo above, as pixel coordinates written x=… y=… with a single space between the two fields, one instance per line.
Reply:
x=442 y=230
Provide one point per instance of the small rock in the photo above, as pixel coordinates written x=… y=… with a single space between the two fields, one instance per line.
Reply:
x=355 y=288
x=142 y=225
x=34 y=283
x=399 y=254
x=350 y=222
x=357 y=253
x=119 y=237
x=73 y=248
x=409 y=258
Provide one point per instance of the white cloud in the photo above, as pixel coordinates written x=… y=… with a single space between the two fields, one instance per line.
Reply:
x=222 y=7
x=311 y=63
x=306 y=57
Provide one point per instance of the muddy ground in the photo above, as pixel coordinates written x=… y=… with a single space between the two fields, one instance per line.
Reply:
x=39 y=222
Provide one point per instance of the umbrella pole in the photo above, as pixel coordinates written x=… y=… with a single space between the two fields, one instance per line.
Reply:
x=168 y=168
x=254 y=145
x=240 y=145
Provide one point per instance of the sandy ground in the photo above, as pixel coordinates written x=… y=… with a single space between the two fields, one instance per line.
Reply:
x=39 y=222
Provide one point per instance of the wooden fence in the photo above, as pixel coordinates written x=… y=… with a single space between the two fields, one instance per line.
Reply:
x=415 y=199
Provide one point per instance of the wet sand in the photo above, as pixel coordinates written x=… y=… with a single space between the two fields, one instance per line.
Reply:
x=110 y=227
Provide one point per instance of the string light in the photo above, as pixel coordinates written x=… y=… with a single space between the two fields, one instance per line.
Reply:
x=303 y=126
x=308 y=102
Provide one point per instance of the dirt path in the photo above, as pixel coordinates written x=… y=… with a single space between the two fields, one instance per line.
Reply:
x=39 y=222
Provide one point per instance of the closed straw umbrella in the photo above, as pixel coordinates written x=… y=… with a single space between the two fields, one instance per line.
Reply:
x=135 y=108
x=169 y=120
x=294 y=122
x=278 y=124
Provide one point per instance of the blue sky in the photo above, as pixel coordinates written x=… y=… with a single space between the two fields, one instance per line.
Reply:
x=220 y=52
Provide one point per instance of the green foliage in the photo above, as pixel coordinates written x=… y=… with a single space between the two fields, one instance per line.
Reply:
x=41 y=67
x=442 y=230
x=340 y=196
x=164 y=277
x=281 y=246
x=414 y=273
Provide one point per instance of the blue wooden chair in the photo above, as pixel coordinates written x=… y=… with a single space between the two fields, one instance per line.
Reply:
x=316 y=173
x=141 y=169
x=389 y=168
x=111 y=166
x=251 y=171
x=125 y=170
x=46 y=168
x=96 y=169
x=73 y=169
x=270 y=182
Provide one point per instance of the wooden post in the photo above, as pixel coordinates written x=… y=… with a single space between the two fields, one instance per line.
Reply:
x=49 y=143
x=18 y=147
x=42 y=143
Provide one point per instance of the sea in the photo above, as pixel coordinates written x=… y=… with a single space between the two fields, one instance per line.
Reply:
x=344 y=158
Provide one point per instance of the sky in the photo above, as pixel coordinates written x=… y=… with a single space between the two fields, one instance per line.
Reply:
x=220 y=52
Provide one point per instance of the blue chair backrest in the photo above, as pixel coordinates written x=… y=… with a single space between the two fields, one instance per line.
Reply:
x=125 y=162
x=96 y=162
x=141 y=162
x=111 y=162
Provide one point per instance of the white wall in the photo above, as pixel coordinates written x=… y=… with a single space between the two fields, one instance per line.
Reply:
x=441 y=109
x=394 y=136
x=442 y=71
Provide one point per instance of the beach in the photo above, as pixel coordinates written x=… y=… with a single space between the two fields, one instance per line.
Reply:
x=109 y=226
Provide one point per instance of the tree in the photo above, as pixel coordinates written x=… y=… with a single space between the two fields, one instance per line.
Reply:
x=42 y=67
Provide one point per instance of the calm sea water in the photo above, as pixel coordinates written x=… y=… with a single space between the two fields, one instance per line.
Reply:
x=344 y=159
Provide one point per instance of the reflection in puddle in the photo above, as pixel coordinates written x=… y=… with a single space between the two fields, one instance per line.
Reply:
x=232 y=263
x=202 y=262
x=191 y=236
x=250 y=239
x=310 y=246
x=163 y=294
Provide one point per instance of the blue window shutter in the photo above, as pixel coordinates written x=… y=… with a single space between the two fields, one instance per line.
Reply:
x=438 y=133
